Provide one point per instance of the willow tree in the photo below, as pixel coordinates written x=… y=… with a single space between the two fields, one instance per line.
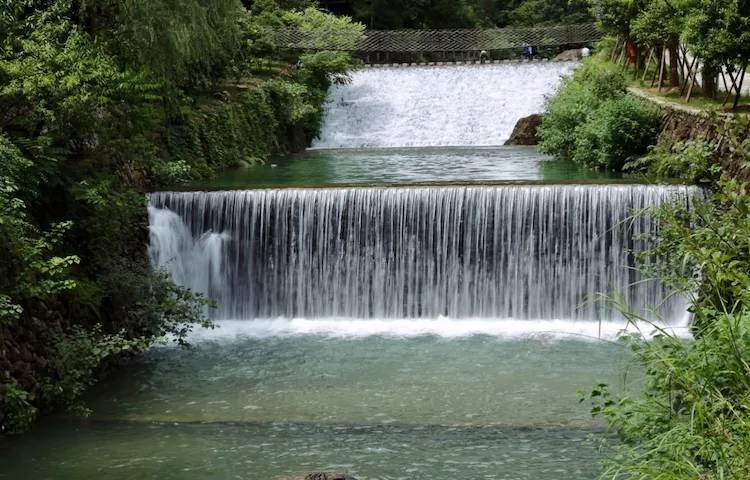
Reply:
x=185 y=41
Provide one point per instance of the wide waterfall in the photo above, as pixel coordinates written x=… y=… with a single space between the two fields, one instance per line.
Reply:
x=437 y=105
x=508 y=252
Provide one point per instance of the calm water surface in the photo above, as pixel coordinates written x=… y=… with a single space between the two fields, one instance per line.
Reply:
x=406 y=165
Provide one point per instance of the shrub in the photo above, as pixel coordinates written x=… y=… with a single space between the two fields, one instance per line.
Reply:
x=690 y=160
x=692 y=419
x=573 y=103
x=618 y=131
x=592 y=122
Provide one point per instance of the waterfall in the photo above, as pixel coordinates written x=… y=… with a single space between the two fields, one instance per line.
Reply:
x=509 y=252
x=437 y=105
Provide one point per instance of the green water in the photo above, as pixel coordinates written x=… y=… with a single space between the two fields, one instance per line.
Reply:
x=378 y=407
x=406 y=165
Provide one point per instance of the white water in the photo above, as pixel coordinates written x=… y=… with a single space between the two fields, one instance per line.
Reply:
x=231 y=330
x=524 y=253
x=436 y=106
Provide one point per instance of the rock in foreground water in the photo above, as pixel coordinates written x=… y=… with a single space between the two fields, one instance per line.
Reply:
x=329 y=476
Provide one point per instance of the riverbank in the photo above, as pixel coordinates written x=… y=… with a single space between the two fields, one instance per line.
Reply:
x=683 y=123
x=696 y=435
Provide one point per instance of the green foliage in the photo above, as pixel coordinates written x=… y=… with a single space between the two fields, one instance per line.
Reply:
x=16 y=410
x=592 y=122
x=319 y=69
x=720 y=31
x=690 y=160
x=716 y=31
x=221 y=134
x=187 y=41
x=572 y=104
x=257 y=29
x=540 y=12
x=168 y=311
x=616 y=132
x=102 y=100
x=78 y=355
x=692 y=419
x=711 y=238
x=32 y=272
x=657 y=24
x=385 y=14
x=615 y=15
x=323 y=29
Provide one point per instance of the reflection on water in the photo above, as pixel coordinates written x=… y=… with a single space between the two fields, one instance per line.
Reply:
x=379 y=407
x=405 y=165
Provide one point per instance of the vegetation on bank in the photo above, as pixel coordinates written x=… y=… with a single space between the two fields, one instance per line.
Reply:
x=692 y=418
x=593 y=122
x=102 y=100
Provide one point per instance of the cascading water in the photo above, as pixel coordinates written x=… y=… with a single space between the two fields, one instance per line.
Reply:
x=436 y=106
x=507 y=261
x=522 y=252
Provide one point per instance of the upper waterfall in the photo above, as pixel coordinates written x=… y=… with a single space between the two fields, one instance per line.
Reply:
x=471 y=105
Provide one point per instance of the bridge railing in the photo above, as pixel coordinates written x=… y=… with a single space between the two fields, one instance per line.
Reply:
x=425 y=41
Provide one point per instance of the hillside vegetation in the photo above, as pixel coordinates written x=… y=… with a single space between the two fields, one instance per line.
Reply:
x=101 y=101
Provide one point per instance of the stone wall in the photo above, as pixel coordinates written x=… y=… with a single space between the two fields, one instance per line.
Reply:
x=681 y=122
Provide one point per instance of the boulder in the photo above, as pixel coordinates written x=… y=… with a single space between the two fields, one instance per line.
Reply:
x=524 y=133
x=329 y=476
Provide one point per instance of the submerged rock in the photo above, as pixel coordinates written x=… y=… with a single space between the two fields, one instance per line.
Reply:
x=329 y=476
x=524 y=133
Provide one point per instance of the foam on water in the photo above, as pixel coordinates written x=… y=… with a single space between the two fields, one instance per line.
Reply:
x=230 y=330
x=436 y=106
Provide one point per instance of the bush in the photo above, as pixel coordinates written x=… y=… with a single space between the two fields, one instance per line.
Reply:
x=572 y=104
x=592 y=122
x=692 y=419
x=690 y=160
x=618 y=131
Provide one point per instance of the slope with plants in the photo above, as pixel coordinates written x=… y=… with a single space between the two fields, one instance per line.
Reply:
x=100 y=101
x=692 y=417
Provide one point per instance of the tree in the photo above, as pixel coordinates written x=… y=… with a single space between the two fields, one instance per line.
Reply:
x=659 y=25
x=615 y=15
x=719 y=33
x=536 y=12
x=185 y=41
